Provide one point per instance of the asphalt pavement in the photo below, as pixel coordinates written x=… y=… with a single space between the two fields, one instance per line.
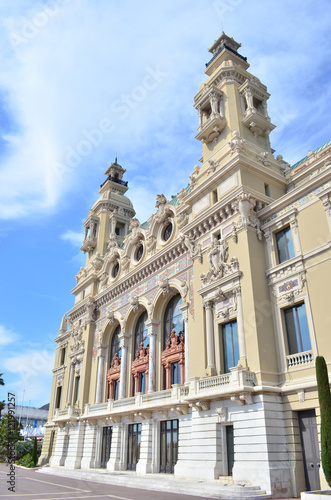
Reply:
x=29 y=485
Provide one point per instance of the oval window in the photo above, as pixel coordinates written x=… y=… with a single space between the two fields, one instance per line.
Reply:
x=167 y=232
x=116 y=268
x=139 y=253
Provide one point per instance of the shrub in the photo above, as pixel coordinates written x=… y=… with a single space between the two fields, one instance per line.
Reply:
x=324 y=397
x=24 y=447
x=26 y=461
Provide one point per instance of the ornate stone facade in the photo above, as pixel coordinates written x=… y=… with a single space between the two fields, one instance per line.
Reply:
x=206 y=319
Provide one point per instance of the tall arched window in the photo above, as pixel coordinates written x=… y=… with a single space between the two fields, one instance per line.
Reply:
x=113 y=374
x=173 y=319
x=141 y=332
x=139 y=368
x=115 y=346
x=173 y=354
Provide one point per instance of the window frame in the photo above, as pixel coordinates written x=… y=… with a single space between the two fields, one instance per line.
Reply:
x=285 y=230
x=298 y=334
x=222 y=350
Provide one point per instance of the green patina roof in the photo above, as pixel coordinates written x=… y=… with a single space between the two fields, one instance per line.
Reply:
x=306 y=157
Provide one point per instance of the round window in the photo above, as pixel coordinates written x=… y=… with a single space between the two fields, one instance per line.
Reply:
x=139 y=253
x=116 y=268
x=167 y=231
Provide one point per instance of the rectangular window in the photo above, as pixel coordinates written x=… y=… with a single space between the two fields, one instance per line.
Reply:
x=230 y=345
x=267 y=189
x=284 y=242
x=116 y=390
x=63 y=356
x=297 y=329
x=175 y=373
x=215 y=196
x=143 y=382
x=58 y=397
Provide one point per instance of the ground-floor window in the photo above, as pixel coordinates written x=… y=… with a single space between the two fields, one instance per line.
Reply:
x=169 y=445
x=106 y=445
x=134 y=440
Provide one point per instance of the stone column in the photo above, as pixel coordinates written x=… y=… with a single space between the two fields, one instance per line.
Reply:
x=184 y=308
x=240 y=325
x=267 y=235
x=153 y=328
x=200 y=118
x=124 y=362
x=71 y=383
x=295 y=232
x=101 y=350
x=209 y=306
x=327 y=207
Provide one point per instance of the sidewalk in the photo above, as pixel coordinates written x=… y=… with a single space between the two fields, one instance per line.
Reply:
x=163 y=482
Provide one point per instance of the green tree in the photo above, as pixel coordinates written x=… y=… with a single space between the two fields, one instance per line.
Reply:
x=34 y=452
x=2 y=406
x=1 y=379
x=324 y=397
x=9 y=433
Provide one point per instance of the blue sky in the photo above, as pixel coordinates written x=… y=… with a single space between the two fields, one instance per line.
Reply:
x=82 y=82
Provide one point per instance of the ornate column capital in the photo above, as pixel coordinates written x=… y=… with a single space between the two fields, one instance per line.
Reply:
x=208 y=304
x=184 y=308
x=124 y=339
x=101 y=351
x=152 y=325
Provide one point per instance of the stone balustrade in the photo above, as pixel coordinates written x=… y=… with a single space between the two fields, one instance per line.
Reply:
x=181 y=397
x=301 y=358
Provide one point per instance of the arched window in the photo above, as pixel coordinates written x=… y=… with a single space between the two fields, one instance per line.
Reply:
x=141 y=332
x=115 y=346
x=139 y=368
x=113 y=374
x=173 y=353
x=173 y=319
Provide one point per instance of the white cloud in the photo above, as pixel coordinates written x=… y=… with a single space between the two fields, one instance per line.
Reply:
x=75 y=238
x=82 y=82
x=31 y=371
x=7 y=336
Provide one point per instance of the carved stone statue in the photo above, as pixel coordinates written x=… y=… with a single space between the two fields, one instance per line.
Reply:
x=217 y=260
x=193 y=248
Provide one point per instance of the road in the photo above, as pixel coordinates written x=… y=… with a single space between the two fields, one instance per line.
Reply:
x=30 y=485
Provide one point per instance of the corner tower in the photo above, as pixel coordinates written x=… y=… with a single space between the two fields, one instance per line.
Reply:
x=110 y=216
x=231 y=100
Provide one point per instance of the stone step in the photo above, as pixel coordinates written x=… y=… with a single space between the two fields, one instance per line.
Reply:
x=163 y=482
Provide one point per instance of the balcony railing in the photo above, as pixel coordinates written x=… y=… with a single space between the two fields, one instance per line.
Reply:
x=211 y=382
x=197 y=392
x=301 y=358
x=115 y=179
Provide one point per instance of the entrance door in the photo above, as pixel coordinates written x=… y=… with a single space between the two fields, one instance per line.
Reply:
x=169 y=445
x=106 y=445
x=134 y=439
x=310 y=451
x=230 y=448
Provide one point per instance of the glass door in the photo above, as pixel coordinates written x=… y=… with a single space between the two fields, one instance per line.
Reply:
x=134 y=439
x=106 y=446
x=169 y=445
